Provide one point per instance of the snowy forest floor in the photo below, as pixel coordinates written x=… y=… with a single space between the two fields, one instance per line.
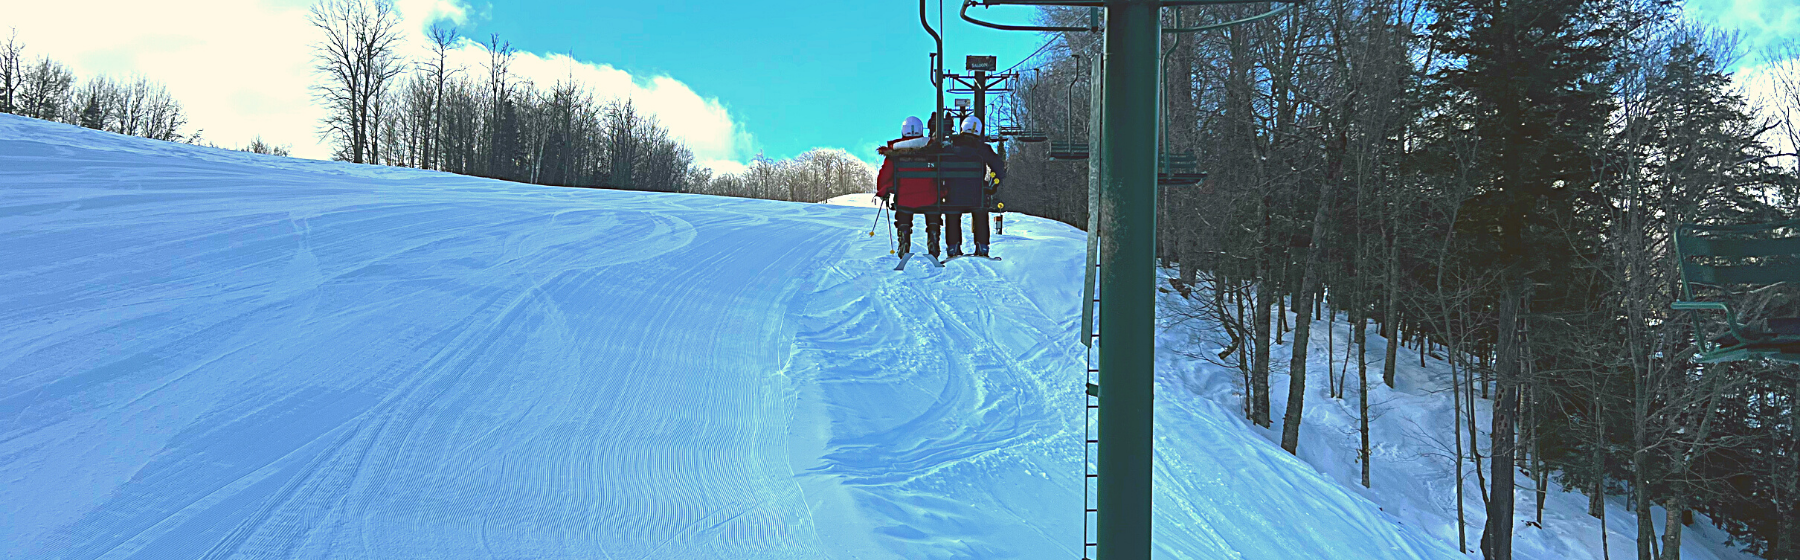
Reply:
x=1412 y=445
x=212 y=354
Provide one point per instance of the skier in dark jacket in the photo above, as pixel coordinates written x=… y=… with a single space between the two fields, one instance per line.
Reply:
x=908 y=196
x=970 y=194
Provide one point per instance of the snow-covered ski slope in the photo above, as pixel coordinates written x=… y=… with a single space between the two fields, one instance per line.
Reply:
x=210 y=354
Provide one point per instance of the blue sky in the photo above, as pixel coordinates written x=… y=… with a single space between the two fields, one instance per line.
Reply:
x=796 y=75
x=1759 y=23
x=730 y=78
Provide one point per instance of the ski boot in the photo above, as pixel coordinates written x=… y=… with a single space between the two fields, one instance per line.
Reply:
x=981 y=251
x=931 y=243
x=905 y=242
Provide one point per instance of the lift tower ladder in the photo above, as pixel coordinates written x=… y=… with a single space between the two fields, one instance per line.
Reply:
x=1091 y=401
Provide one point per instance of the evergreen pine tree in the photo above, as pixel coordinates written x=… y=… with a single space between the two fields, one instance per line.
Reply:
x=1527 y=83
x=93 y=115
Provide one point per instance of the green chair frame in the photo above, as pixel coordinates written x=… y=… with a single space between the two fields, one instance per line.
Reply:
x=1179 y=169
x=1721 y=257
x=1023 y=134
x=936 y=167
x=1065 y=150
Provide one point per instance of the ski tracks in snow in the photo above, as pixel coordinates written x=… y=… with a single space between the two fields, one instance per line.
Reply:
x=243 y=361
x=930 y=398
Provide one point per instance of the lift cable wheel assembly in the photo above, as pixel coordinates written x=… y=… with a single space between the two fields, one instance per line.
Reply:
x=1122 y=254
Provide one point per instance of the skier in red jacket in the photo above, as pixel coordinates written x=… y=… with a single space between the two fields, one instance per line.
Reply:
x=909 y=195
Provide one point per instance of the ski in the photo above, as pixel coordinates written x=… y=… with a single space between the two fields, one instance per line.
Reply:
x=908 y=258
x=972 y=256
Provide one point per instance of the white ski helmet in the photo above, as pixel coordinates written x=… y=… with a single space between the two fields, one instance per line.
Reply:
x=912 y=128
x=971 y=125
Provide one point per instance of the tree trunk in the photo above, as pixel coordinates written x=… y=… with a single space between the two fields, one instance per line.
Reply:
x=1424 y=344
x=1265 y=291
x=1309 y=275
x=1393 y=309
x=1456 y=391
x=1672 y=523
x=1259 y=367
x=1597 y=497
x=1242 y=339
x=1281 y=313
x=1496 y=538
x=1331 y=385
x=1362 y=391
x=1540 y=474
x=1640 y=469
x=1474 y=445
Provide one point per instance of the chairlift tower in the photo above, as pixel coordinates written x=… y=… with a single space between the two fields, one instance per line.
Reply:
x=980 y=81
x=1127 y=150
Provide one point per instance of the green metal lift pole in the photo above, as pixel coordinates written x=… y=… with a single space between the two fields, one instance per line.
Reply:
x=1127 y=159
x=1128 y=278
x=981 y=98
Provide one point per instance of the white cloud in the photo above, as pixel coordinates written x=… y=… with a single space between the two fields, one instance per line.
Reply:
x=238 y=68
x=724 y=166
x=702 y=123
x=419 y=14
x=243 y=68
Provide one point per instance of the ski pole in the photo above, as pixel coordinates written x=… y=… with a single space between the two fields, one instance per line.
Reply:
x=891 y=244
x=879 y=207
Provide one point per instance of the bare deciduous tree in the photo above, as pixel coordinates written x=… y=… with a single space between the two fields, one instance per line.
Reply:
x=11 y=71
x=356 y=59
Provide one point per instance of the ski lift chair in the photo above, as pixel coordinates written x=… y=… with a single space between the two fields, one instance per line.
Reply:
x=1066 y=150
x=938 y=168
x=1023 y=134
x=1027 y=133
x=1179 y=169
x=1721 y=257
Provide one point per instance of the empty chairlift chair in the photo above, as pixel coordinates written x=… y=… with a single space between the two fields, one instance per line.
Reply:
x=1026 y=132
x=1065 y=150
x=1069 y=149
x=1717 y=259
x=1178 y=169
